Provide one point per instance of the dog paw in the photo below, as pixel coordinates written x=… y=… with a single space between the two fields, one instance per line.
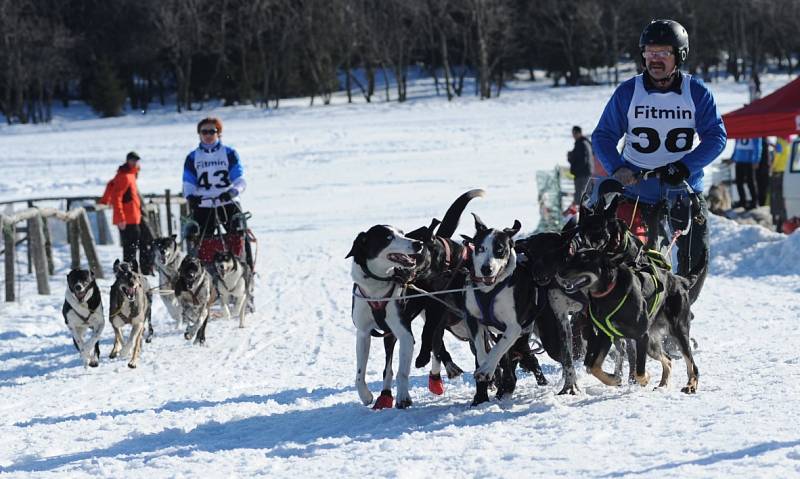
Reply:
x=571 y=389
x=385 y=401
x=404 y=403
x=541 y=380
x=642 y=380
x=422 y=360
x=689 y=389
x=132 y=365
x=435 y=384
x=93 y=363
x=483 y=376
x=453 y=371
x=187 y=335
x=479 y=399
x=113 y=354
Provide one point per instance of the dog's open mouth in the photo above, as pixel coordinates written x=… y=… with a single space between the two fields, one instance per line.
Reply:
x=129 y=292
x=487 y=280
x=575 y=283
x=402 y=259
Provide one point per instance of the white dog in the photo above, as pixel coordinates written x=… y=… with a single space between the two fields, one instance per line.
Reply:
x=83 y=311
x=232 y=281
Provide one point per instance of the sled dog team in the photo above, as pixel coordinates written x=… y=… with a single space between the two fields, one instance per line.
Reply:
x=579 y=292
x=187 y=288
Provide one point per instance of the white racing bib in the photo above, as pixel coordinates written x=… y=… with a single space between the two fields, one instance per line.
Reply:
x=661 y=126
x=213 y=174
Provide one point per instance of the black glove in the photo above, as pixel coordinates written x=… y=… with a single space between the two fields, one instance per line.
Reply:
x=228 y=195
x=194 y=201
x=673 y=174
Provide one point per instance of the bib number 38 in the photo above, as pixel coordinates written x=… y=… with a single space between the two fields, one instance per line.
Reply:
x=677 y=140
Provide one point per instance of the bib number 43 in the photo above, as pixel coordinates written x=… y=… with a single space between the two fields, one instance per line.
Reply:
x=221 y=178
x=677 y=140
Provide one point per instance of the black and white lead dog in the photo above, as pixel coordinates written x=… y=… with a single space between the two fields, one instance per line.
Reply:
x=376 y=253
x=168 y=260
x=83 y=311
x=505 y=299
x=129 y=304
x=232 y=280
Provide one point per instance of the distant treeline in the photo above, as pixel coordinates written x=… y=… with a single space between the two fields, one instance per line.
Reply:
x=259 y=51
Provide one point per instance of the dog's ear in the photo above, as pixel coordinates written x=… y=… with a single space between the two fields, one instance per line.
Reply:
x=359 y=249
x=612 y=201
x=514 y=229
x=91 y=274
x=467 y=239
x=135 y=266
x=116 y=266
x=479 y=225
x=432 y=228
x=420 y=234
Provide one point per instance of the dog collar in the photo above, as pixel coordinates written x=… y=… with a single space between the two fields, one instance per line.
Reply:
x=605 y=293
x=372 y=275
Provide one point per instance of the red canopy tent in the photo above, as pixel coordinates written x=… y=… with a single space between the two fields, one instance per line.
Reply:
x=777 y=114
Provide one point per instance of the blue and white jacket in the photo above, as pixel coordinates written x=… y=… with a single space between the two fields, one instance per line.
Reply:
x=659 y=128
x=211 y=170
x=747 y=150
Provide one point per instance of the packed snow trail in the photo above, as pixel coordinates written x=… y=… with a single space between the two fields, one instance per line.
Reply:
x=277 y=397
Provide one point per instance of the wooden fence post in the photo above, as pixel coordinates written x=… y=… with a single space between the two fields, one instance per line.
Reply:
x=48 y=247
x=9 y=235
x=73 y=235
x=167 y=198
x=38 y=254
x=88 y=245
x=103 y=231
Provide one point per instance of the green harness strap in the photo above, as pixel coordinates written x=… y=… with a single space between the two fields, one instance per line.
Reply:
x=606 y=327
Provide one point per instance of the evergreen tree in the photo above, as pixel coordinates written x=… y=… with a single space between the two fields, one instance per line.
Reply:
x=108 y=95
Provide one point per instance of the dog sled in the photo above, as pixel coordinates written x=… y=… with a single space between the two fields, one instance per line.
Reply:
x=240 y=242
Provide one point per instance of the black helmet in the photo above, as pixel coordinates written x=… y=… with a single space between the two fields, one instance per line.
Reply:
x=667 y=32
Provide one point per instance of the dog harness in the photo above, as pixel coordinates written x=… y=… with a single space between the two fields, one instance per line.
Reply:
x=448 y=253
x=75 y=306
x=378 y=308
x=605 y=325
x=486 y=304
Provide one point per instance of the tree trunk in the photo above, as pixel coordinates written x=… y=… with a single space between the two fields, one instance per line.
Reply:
x=445 y=64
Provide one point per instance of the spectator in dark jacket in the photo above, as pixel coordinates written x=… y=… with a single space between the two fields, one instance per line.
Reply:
x=580 y=162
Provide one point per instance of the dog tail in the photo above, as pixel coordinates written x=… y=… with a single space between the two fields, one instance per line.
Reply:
x=453 y=214
x=697 y=277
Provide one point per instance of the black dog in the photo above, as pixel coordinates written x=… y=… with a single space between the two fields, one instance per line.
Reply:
x=638 y=303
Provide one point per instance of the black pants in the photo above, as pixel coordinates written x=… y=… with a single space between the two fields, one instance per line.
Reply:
x=130 y=238
x=744 y=174
x=208 y=221
x=692 y=248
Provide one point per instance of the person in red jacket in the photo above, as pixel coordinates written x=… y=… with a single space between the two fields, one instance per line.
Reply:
x=122 y=195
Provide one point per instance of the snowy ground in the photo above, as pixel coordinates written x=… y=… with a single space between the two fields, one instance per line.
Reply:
x=277 y=398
